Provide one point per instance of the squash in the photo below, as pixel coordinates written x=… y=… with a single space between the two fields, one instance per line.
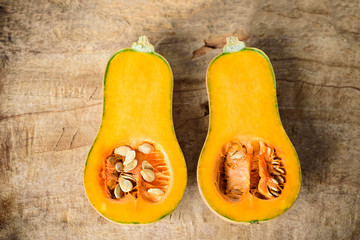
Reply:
x=248 y=170
x=135 y=171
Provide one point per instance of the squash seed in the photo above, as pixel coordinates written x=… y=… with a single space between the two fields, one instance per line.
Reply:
x=275 y=194
x=274 y=180
x=280 y=179
x=125 y=185
x=119 y=166
x=237 y=155
x=275 y=173
x=130 y=156
x=279 y=170
x=156 y=191
x=117 y=192
x=273 y=188
x=145 y=148
x=131 y=165
x=148 y=175
x=122 y=150
x=236 y=191
x=146 y=165
x=128 y=176
x=112 y=160
x=233 y=148
x=275 y=163
x=269 y=151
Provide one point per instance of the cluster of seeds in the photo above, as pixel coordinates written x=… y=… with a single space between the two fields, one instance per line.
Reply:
x=122 y=176
x=275 y=169
x=253 y=167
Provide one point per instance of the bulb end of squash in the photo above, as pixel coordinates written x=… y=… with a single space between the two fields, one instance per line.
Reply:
x=233 y=45
x=143 y=45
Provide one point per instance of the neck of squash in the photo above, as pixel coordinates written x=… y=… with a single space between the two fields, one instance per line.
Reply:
x=143 y=45
x=233 y=45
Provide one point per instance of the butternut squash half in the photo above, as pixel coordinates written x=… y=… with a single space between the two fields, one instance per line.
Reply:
x=248 y=169
x=135 y=171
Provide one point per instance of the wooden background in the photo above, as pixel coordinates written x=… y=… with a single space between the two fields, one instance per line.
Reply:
x=53 y=55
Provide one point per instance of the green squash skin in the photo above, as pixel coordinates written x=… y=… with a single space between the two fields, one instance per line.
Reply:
x=103 y=115
x=279 y=119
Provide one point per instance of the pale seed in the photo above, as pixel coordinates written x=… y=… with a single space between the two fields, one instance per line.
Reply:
x=130 y=156
x=146 y=165
x=280 y=179
x=131 y=165
x=275 y=194
x=235 y=191
x=117 y=192
x=148 y=175
x=122 y=150
x=156 y=191
x=237 y=155
x=279 y=170
x=125 y=185
x=274 y=180
x=129 y=177
x=233 y=148
x=273 y=189
x=275 y=163
x=119 y=166
x=269 y=151
x=275 y=173
x=145 y=148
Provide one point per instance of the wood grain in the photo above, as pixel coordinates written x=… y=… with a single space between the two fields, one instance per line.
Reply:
x=53 y=55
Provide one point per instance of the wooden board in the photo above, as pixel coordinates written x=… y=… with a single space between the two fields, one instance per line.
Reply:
x=53 y=55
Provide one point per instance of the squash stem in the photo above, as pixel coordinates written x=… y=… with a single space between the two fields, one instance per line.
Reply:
x=233 y=45
x=143 y=45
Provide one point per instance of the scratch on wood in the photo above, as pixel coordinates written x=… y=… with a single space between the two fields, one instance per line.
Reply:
x=93 y=93
x=72 y=140
x=298 y=94
x=342 y=95
x=320 y=85
x=63 y=130
x=316 y=61
x=42 y=112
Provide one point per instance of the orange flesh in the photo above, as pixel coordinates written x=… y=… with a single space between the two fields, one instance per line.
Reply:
x=243 y=106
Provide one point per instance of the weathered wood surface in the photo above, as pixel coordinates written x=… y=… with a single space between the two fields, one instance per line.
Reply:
x=53 y=55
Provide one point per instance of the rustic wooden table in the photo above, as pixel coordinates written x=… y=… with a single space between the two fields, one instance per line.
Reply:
x=53 y=55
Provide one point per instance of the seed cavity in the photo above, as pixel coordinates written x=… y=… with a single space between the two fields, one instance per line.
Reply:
x=254 y=167
x=122 y=150
x=145 y=148
x=122 y=178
